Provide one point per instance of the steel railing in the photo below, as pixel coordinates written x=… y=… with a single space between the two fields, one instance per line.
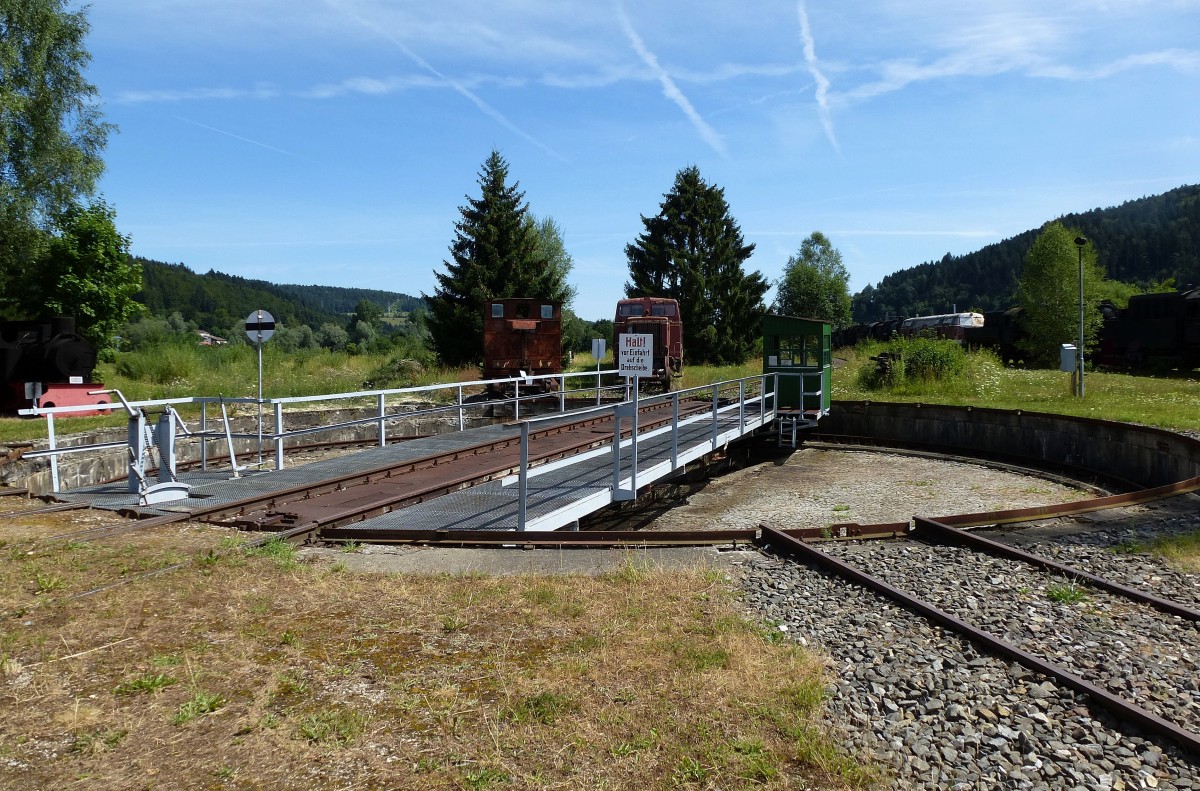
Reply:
x=523 y=391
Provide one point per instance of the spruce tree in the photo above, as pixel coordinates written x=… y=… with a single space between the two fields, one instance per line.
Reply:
x=693 y=251
x=496 y=253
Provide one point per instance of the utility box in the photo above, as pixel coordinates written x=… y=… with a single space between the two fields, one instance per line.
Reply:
x=1066 y=358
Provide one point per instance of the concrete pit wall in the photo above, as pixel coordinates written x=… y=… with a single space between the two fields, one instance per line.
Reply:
x=1141 y=456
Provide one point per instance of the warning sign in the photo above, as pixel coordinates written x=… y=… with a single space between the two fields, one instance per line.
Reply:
x=635 y=355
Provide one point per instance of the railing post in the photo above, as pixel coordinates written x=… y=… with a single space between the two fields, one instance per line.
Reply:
x=523 y=478
x=633 y=441
x=616 y=485
x=715 y=432
x=741 y=407
x=461 y=422
x=278 y=436
x=54 y=457
x=204 y=438
x=674 y=431
x=382 y=421
x=562 y=392
x=516 y=400
x=597 y=384
x=762 y=400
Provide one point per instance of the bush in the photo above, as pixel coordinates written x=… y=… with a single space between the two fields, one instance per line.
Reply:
x=905 y=361
x=160 y=365
x=396 y=372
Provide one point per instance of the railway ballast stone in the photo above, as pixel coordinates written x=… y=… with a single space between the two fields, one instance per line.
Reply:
x=938 y=714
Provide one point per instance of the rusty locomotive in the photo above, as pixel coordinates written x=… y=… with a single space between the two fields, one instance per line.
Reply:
x=45 y=364
x=658 y=317
x=522 y=336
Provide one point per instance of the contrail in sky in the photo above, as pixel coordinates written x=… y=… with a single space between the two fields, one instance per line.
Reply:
x=487 y=109
x=239 y=137
x=810 y=57
x=670 y=89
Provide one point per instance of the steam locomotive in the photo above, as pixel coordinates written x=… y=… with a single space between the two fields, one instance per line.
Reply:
x=45 y=364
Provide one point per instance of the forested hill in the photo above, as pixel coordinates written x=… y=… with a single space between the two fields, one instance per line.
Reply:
x=216 y=301
x=1141 y=241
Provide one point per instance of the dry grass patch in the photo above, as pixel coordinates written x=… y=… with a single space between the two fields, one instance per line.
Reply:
x=1181 y=552
x=255 y=672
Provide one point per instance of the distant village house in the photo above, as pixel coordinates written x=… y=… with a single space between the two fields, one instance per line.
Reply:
x=208 y=339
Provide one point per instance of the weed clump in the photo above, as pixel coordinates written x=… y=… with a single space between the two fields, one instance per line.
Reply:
x=924 y=366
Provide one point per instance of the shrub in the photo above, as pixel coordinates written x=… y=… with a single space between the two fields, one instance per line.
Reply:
x=160 y=365
x=913 y=360
x=396 y=372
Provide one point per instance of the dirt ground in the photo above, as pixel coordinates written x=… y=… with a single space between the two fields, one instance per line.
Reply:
x=808 y=488
x=817 y=487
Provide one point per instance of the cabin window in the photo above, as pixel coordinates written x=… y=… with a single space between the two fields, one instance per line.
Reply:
x=631 y=310
x=662 y=309
x=497 y=310
x=812 y=351
x=522 y=311
x=547 y=311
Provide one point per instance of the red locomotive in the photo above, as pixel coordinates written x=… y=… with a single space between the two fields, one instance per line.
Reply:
x=522 y=337
x=658 y=317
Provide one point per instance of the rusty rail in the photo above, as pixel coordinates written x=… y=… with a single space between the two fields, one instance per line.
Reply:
x=1120 y=707
x=929 y=528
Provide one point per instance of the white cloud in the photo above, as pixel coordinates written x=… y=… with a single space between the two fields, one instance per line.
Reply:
x=462 y=89
x=670 y=89
x=810 y=58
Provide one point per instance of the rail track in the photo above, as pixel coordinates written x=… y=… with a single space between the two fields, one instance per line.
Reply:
x=1131 y=652
x=1134 y=654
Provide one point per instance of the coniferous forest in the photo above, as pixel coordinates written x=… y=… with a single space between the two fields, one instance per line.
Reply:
x=218 y=301
x=1143 y=242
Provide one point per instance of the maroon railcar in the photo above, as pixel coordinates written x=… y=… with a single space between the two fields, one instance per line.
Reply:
x=658 y=317
x=521 y=337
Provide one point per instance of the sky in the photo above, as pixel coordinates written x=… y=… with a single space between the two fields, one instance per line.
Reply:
x=334 y=142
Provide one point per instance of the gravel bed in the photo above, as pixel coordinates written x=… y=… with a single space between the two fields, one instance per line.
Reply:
x=938 y=714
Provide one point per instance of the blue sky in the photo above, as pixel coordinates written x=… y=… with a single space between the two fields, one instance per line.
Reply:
x=333 y=141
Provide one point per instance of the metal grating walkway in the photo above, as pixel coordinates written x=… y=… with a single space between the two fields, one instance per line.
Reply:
x=217 y=486
x=561 y=493
x=558 y=493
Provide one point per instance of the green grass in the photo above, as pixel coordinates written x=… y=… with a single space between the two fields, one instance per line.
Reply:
x=543 y=708
x=197 y=706
x=145 y=684
x=279 y=550
x=1066 y=593
x=1182 y=551
x=333 y=726
x=1166 y=402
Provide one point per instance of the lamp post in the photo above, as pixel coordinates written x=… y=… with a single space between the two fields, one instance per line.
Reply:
x=1080 y=242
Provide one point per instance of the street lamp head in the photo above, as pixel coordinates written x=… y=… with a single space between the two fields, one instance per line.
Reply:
x=1079 y=240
